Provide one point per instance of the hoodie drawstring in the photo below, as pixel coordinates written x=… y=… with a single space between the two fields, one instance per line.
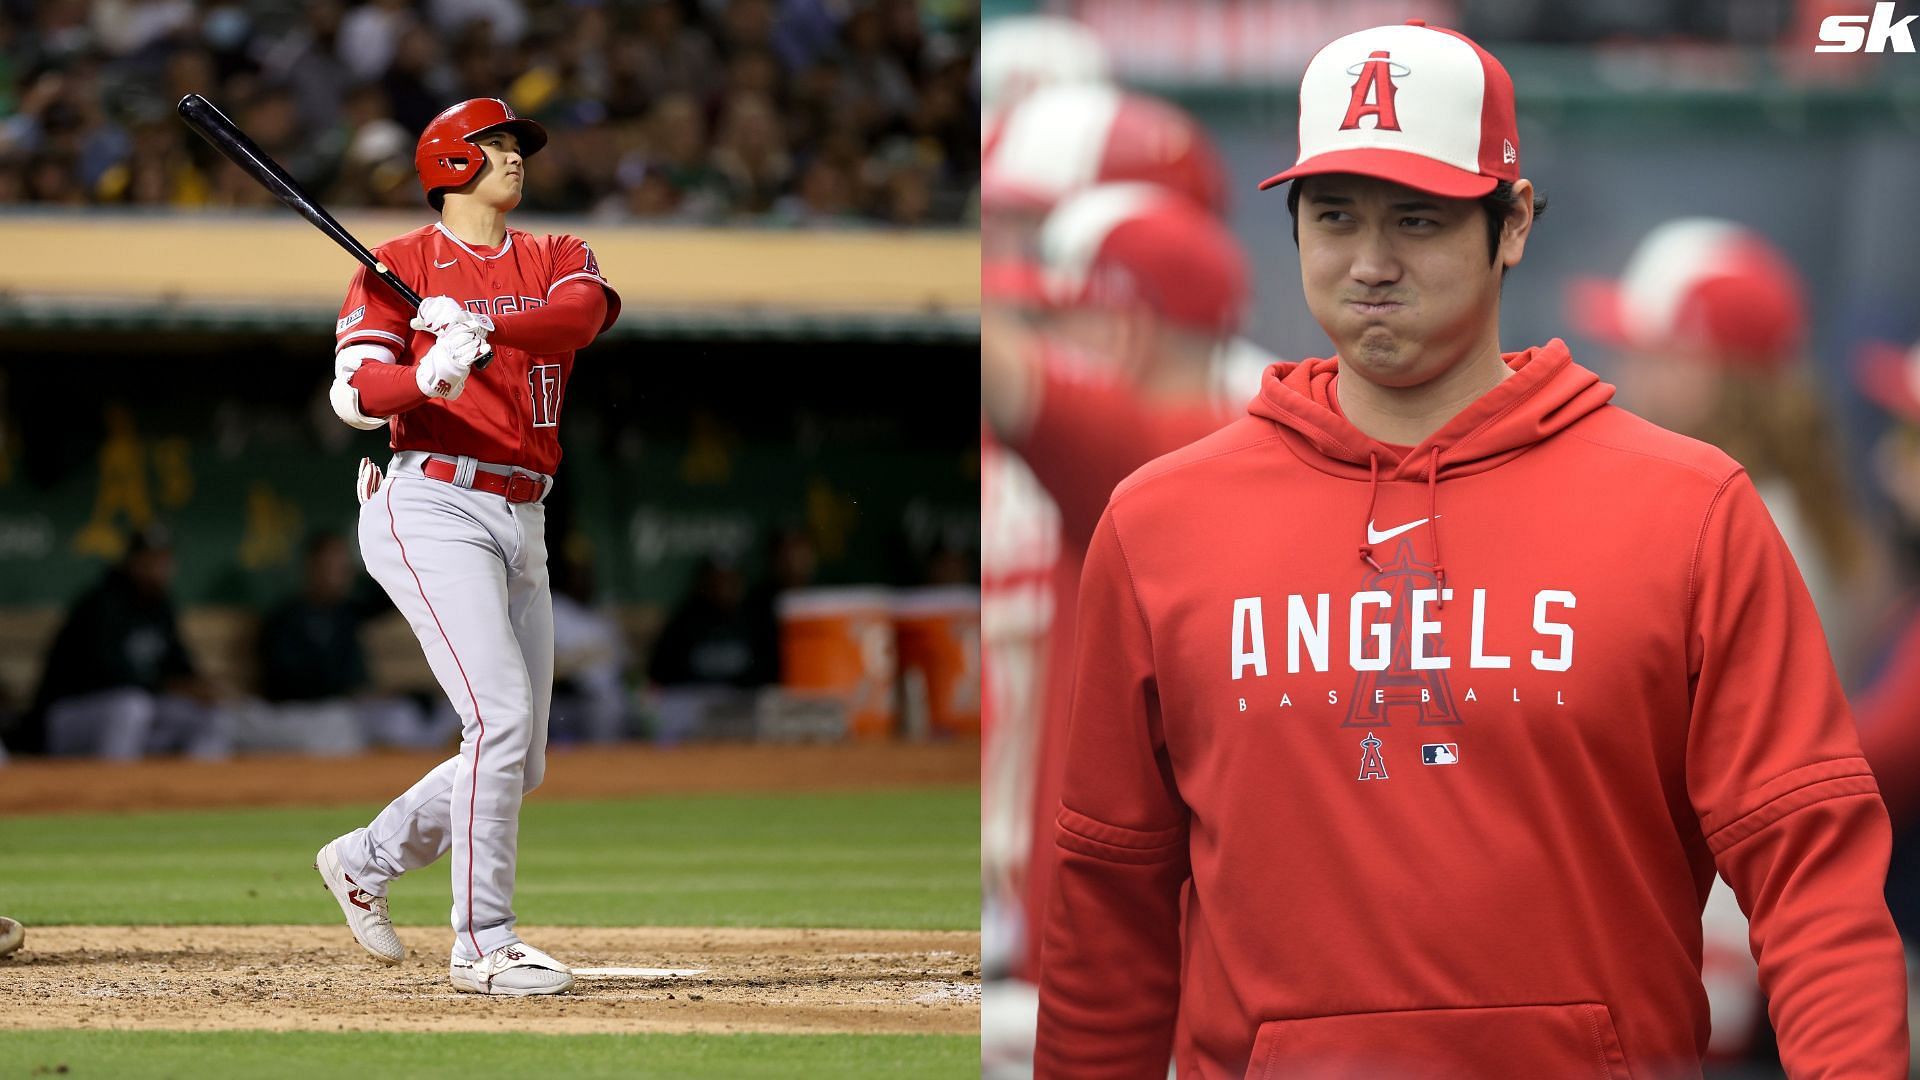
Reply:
x=1433 y=515
x=1373 y=496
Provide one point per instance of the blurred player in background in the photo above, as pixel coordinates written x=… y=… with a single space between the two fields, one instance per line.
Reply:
x=456 y=532
x=119 y=682
x=1063 y=132
x=1133 y=354
x=1888 y=709
x=1112 y=295
x=1710 y=320
x=313 y=668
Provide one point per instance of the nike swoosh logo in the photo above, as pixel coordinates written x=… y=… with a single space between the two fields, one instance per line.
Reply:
x=1375 y=536
x=438 y=265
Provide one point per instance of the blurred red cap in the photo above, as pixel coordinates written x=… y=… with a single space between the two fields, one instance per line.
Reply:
x=1890 y=377
x=1121 y=245
x=1710 y=287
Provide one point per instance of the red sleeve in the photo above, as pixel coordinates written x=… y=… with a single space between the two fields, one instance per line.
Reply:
x=1787 y=804
x=1110 y=962
x=387 y=389
x=1092 y=431
x=574 y=261
x=372 y=315
x=1889 y=718
x=572 y=317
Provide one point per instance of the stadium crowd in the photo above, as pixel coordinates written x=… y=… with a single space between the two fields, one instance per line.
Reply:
x=799 y=112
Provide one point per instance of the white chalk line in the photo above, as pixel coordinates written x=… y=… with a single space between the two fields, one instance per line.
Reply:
x=638 y=973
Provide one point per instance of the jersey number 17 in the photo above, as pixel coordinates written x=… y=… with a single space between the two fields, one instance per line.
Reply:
x=543 y=381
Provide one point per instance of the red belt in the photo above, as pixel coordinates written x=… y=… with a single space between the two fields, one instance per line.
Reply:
x=517 y=488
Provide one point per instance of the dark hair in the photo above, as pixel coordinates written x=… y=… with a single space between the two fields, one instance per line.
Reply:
x=1498 y=203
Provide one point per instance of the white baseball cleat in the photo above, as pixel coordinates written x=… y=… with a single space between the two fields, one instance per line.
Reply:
x=366 y=913
x=517 y=970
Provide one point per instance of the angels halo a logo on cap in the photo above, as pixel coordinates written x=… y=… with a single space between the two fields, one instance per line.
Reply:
x=1373 y=91
x=1416 y=105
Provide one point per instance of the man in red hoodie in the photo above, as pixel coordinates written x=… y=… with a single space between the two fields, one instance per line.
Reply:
x=1417 y=709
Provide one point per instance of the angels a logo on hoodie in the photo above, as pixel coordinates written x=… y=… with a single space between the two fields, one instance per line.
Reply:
x=1379 y=697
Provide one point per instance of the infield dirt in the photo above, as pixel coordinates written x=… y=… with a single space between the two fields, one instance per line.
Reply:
x=316 y=979
x=41 y=786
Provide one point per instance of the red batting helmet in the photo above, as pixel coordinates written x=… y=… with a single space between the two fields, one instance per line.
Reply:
x=447 y=157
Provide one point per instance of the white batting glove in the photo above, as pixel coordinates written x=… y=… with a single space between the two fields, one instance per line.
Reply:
x=368 y=481
x=438 y=313
x=442 y=372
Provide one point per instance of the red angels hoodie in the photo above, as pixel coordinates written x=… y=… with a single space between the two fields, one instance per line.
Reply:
x=1420 y=763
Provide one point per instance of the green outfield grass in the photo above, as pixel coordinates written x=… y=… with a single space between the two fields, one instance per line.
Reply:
x=461 y=1056
x=879 y=860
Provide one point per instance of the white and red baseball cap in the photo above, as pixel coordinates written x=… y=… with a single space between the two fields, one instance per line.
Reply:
x=1416 y=105
x=1118 y=246
x=1063 y=139
x=1704 y=286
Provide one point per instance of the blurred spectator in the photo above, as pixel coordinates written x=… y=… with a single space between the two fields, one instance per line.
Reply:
x=589 y=662
x=710 y=637
x=751 y=154
x=118 y=682
x=711 y=657
x=792 y=562
x=678 y=137
x=305 y=59
x=417 y=82
x=378 y=166
x=670 y=55
x=314 y=672
x=799 y=111
x=370 y=36
x=128 y=26
x=158 y=173
x=505 y=20
x=875 y=77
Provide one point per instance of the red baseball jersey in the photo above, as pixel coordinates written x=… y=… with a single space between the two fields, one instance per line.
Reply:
x=509 y=413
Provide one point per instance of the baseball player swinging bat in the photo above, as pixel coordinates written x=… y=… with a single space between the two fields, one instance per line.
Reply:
x=226 y=137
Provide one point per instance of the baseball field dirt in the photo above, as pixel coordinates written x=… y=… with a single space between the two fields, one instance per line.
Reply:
x=38 y=786
x=294 y=978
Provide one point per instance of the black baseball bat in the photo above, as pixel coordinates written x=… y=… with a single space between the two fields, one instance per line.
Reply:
x=226 y=137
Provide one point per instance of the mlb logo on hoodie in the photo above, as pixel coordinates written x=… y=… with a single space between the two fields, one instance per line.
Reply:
x=1440 y=753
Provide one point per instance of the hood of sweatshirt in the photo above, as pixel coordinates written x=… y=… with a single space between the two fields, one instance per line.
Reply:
x=1546 y=394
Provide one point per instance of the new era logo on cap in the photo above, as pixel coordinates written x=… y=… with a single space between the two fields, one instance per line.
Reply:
x=1413 y=104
